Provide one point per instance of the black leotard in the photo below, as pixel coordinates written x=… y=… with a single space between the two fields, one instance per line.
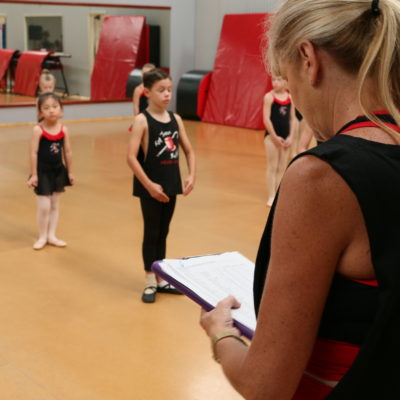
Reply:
x=280 y=117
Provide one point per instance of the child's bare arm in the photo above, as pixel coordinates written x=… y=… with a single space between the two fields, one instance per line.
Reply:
x=136 y=98
x=68 y=155
x=33 y=152
x=294 y=124
x=138 y=131
x=190 y=157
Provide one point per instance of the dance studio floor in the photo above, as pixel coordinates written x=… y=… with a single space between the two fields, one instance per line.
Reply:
x=72 y=323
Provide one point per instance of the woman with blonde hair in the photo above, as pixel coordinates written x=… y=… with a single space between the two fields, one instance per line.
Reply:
x=327 y=280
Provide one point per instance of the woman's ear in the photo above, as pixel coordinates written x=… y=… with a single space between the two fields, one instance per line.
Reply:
x=146 y=91
x=310 y=61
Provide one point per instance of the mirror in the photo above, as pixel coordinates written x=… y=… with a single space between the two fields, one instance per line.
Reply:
x=44 y=33
x=72 y=31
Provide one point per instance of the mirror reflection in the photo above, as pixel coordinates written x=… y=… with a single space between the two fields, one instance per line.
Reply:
x=44 y=33
x=67 y=37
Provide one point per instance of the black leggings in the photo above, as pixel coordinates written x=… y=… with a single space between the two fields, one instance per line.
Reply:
x=156 y=217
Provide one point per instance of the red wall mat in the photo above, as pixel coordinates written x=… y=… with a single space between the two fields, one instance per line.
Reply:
x=5 y=58
x=239 y=79
x=202 y=94
x=28 y=71
x=118 y=53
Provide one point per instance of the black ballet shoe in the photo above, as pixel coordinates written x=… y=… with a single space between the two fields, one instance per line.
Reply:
x=149 y=294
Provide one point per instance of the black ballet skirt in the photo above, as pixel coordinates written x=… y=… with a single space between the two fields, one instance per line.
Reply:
x=51 y=179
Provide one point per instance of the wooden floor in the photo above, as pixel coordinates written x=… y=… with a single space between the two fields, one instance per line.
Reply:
x=72 y=323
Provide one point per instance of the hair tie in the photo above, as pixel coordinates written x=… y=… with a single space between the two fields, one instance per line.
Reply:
x=375 y=8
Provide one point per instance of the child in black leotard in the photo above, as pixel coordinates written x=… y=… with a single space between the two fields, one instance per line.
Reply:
x=154 y=158
x=49 y=145
x=280 y=122
x=139 y=98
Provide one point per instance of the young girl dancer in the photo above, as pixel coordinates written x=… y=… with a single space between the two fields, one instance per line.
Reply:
x=280 y=122
x=47 y=82
x=139 y=99
x=49 y=143
x=154 y=159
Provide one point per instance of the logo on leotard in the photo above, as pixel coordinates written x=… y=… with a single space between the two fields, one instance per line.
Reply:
x=283 y=110
x=55 y=148
x=166 y=141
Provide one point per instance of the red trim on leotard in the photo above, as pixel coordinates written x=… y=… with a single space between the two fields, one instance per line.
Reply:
x=283 y=102
x=49 y=136
x=369 y=282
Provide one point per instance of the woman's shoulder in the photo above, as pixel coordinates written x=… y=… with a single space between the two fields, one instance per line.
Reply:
x=308 y=167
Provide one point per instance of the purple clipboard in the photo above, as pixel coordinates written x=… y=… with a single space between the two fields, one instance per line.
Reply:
x=157 y=268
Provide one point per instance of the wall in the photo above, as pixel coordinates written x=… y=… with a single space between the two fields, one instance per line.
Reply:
x=75 y=35
x=209 y=16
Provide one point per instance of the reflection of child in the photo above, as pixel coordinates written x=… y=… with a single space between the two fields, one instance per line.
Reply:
x=158 y=133
x=49 y=145
x=280 y=122
x=139 y=99
x=47 y=82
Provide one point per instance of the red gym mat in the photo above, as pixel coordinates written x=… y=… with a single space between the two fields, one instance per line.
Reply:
x=28 y=71
x=5 y=58
x=239 y=79
x=120 y=50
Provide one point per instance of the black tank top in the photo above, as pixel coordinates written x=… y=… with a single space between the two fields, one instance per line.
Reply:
x=372 y=315
x=280 y=117
x=161 y=163
x=50 y=148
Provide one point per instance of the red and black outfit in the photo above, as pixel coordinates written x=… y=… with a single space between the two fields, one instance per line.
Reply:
x=358 y=340
x=280 y=117
x=161 y=165
x=52 y=173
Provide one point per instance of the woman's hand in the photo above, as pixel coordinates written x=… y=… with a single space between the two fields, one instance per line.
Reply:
x=71 y=179
x=188 y=185
x=156 y=191
x=220 y=319
x=32 y=181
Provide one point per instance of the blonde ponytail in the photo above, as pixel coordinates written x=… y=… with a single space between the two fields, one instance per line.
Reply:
x=365 y=42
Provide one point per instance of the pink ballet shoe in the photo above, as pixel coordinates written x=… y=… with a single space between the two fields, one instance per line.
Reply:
x=56 y=242
x=39 y=244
